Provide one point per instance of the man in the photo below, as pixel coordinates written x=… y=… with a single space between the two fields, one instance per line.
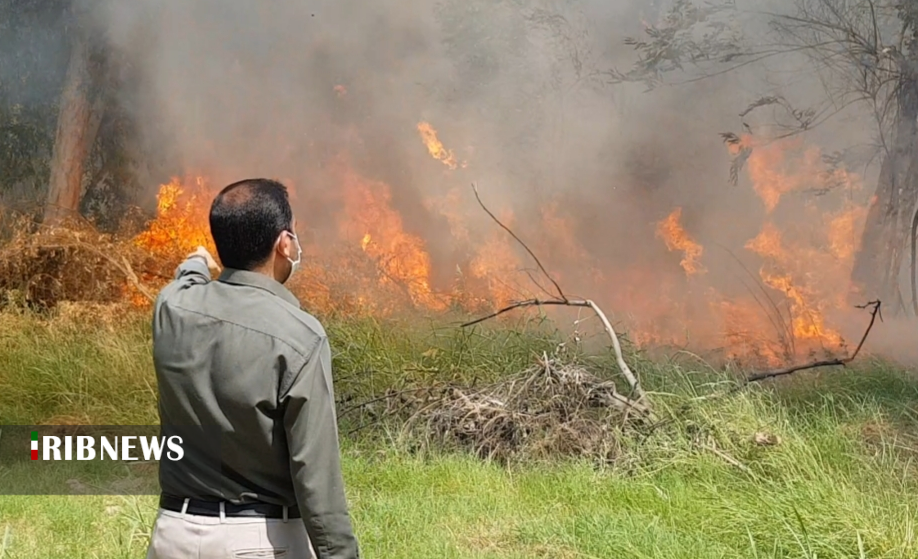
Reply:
x=238 y=356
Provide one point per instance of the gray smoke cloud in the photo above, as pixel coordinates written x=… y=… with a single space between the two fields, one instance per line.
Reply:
x=234 y=89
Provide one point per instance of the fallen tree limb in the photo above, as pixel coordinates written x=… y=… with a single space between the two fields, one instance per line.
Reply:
x=726 y=458
x=385 y=397
x=132 y=277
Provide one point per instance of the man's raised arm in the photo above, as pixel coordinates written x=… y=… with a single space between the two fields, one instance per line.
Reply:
x=194 y=270
x=315 y=460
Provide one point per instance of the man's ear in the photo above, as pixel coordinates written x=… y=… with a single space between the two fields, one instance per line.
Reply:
x=283 y=245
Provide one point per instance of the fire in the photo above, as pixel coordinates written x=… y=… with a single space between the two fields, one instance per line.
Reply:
x=843 y=231
x=670 y=230
x=767 y=243
x=401 y=257
x=450 y=206
x=497 y=265
x=810 y=272
x=394 y=262
x=749 y=332
x=180 y=227
x=779 y=168
x=560 y=232
x=435 y=147
x=804 y=265
x=375 y=259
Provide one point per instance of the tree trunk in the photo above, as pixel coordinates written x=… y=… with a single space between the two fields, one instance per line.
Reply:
x=885 y=239
x=81 y=109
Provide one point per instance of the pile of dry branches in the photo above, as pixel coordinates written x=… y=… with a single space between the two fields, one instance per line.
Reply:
x=550 y=410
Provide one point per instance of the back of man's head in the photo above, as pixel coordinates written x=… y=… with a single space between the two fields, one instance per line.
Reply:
x=246 y=219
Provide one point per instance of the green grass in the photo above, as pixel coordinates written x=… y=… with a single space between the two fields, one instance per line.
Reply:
x=841 y=482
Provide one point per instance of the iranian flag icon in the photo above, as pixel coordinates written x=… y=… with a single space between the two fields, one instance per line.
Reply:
x=34 y=445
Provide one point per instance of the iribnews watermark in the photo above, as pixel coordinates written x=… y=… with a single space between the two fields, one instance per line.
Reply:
x=125 y=447
x=102 y=460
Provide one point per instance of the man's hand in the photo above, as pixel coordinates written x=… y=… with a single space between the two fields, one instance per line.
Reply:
x=202 y=253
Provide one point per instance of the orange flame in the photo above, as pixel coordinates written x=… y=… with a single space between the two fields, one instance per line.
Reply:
x=779 y=168
x=374 y=262
x=806 y=272
x=401 y=257
x=434 y=146
x=497 y=265
x=675 y=237
x=180 y=225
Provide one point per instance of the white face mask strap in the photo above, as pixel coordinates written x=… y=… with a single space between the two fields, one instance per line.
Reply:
x=299 y=249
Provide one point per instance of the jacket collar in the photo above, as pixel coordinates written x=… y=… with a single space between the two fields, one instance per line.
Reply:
x=260 y=281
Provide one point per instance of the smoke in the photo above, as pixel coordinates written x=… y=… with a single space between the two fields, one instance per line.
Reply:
x=285 y=89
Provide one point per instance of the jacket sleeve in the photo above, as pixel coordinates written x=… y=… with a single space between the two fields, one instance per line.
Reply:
x=315 y=459
x=193 y=271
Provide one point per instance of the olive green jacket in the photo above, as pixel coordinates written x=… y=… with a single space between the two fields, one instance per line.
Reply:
x=239 y=355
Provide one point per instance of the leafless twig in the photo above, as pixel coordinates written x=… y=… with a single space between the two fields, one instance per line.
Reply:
x=124 y=266
x=388 y=395
x=512 y=234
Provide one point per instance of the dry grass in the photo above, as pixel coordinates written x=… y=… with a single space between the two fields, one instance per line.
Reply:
x=41 y=266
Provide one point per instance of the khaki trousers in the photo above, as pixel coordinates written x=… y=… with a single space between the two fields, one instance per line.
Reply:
x=186 y=536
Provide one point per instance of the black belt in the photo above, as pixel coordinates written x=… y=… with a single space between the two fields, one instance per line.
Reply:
x=212 y=508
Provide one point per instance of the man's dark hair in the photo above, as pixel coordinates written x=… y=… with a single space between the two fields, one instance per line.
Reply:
x=246 y=219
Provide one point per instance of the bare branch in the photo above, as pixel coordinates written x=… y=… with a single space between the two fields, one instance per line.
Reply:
x=726 y=458
x=770 y=100
x=619 y=358
x=806 y=119
x=512 y=234
x=537 y=283
x=737 y=164
x=874 y=307
x=131 y=276
x=520 y=305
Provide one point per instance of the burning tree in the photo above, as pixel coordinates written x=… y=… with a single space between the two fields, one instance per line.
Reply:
x=865 y=54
